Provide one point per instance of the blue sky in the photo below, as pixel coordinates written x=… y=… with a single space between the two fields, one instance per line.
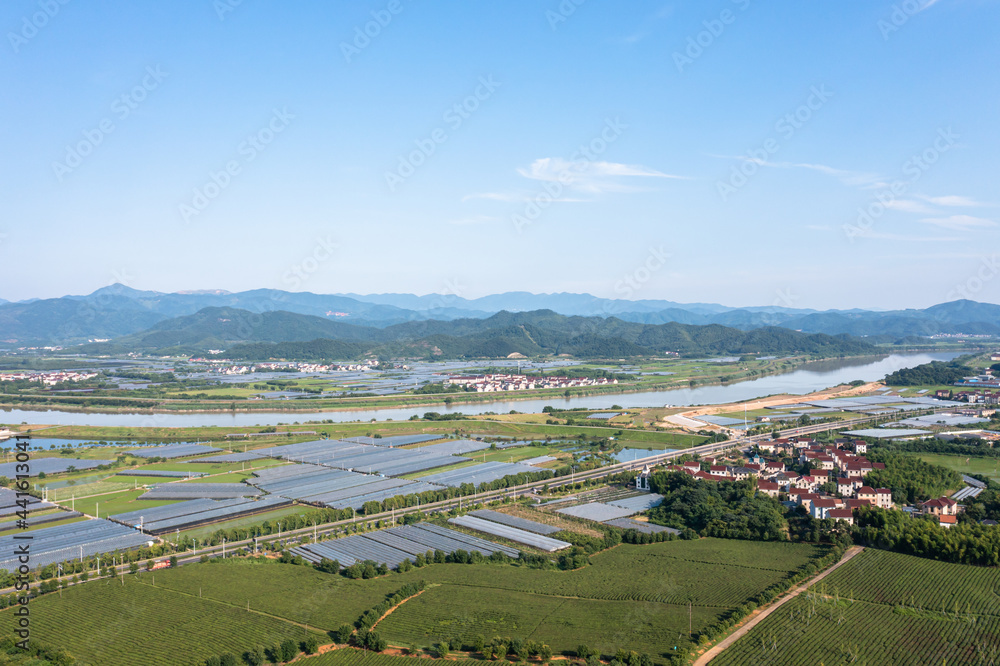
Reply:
x=805 y=154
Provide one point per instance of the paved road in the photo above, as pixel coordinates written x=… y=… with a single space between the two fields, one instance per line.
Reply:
x=739 y=633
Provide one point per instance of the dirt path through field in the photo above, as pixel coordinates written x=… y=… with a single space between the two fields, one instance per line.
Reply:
x=760 y=615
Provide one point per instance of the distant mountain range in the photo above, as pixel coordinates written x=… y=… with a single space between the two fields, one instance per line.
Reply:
x=244 y=335
x=117 y=311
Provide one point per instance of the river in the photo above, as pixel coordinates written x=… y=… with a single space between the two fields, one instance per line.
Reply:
x=806 y=379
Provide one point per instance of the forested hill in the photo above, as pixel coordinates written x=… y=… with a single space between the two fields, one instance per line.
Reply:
x=250 y=336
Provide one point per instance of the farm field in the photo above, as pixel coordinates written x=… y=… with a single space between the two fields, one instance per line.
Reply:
x=296 y=593
x=882 y=607
x=658 y=572
x=561 y=608
x=104 y=623
x=109 y=505
x=964 y=464
x=455 y=611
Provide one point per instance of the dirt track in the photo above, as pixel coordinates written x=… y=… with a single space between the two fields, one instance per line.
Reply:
x=755 y=619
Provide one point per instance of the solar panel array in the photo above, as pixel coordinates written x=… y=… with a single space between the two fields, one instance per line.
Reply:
x=514 y=521
x=158 y=473
x=393 y=440
x=648 y=528
x=333 y=487
x=9 y=502
x=596 y=511
x=50 y=545
x=225 y=510
x=230 y=458
x=512 y=533
x=173 y=451
x=638 y=503
x=393 y=545
x=32 y=522
x=966 y=493
x=182 y=491
x=166 y=511
x=49 y=466
x=481 y=473
x=540 y=460
x=365 y=457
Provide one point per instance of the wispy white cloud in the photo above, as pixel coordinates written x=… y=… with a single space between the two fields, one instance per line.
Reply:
x=593 y=177
x=960 y=222
x=951 y=200
x=852 y=178
x=910 y=206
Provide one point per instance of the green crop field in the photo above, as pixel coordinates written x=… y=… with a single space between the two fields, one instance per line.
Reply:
x=457 y=611
x=964 y=464
x=883 y=608
x=669 y=572
x=299 y=594
x=104 y=623
x=109 y=505
x=633 y=596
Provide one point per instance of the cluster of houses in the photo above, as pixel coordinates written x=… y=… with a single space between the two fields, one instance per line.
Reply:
x=842 y=464
x=978 y=397
x=48 y=378
x=490 y=383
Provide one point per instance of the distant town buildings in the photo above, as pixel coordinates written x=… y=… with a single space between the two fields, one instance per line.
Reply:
x=226 y=367
x=489 y=383
x=47 y=378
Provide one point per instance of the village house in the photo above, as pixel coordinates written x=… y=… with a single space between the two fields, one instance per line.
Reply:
x=821 y=507
x=841 y=514
x=769 y=488
x=943 y=506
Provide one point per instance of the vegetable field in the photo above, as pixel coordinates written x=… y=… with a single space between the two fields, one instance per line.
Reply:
x=453 y=611
x=883 y=607
x=299 y=594
x=104 y=623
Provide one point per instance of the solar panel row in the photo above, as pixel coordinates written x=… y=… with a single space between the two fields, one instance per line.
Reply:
x=166 y=511
x=596 y=511
x=173 y=451
x=60 y=543
x=219 y=514
x=368 y=458
x=512 y=533
x=394 y=545
x=230 y=458
x=62 y=515
x=639 y=502
x=479 y=474
x=335 y=488
x=180 y=491
x=158 y=473
x=514 y=521
x=648 y=528
x=49 y=466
